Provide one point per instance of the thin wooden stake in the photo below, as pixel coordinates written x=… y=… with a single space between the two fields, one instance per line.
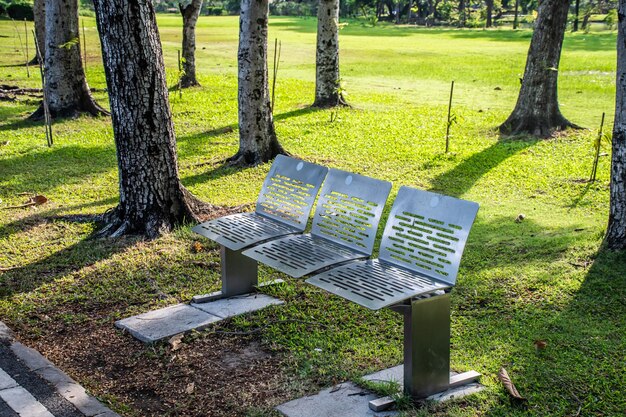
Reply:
x=46 y=109
x=27 y=54
x=180 y=69
x=594 y=169
x=449 y=114
x=277 y=47
x=84 y=49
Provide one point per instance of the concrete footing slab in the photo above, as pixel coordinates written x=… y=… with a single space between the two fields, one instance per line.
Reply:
x=164 y=323
x=349 y=400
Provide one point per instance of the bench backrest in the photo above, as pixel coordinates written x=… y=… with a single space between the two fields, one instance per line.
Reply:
x=426 y=232
x=349 y=210
x=289 y=191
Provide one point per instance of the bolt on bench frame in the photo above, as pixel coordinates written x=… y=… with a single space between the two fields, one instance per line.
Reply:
x=282 y=208
x=344 y=227
x=420 y=254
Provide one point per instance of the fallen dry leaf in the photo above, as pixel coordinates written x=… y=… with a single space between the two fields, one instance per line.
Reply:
x=190 y=388
x=514 y=395
x=176 y=341
x=197 y=247
x=540 y=344
x=519 y=218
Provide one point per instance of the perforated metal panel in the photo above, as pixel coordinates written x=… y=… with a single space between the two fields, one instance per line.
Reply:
x=299 y=255
x=374 y=284
x=289 y=191
x=420 y=252
x=283 y=207
x=427 y=232
x=344 y=227
x=241 y=230
x=349 y=209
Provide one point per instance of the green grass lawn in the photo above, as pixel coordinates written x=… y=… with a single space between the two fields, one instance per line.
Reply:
x=544 y=278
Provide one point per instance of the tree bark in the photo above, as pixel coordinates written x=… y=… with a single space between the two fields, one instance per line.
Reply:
x=576 y=14
x=152 y=199
x=489 y=12
x=537 y=110
x=462 y=13
x=327 y=92
x=257 y=137
x=39 y=13
x=616 y=231
x=190 y=13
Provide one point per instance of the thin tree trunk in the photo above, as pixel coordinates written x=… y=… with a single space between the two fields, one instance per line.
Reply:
x=489 y=11
x=537 y=110
x=462 y=17
x=616 y=231
x=39 y=13
x=66 y=86
x=515 y=20
x=152 y=199
x=576 y=14
x=257 y=137
x=327 y=93
x=190 y=13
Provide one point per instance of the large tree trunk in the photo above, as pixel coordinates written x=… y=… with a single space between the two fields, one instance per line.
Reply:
x=39 y=13
x=489 y=12
x=152 y=199
x=66 y=86
x=616 y=232
x=190 y=13
x=537 y=110
x=257 y=137
x=327 y=92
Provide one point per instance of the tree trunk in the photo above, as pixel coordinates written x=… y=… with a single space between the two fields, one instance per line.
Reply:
x=190 y=13
x=462 y=12
x=515 y=21
x=257 y=137
x=152 y=199
x=39 y=13
x=537 y=110
x=489 y=11
x=327 y=92
x=66 y=86
x=576 y=14
x=616 y=231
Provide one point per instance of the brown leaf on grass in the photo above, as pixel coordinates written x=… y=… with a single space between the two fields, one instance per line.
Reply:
x=514 y=395
x=540 y=344
x=33 y=201
x=176 y=341
x=197 y=247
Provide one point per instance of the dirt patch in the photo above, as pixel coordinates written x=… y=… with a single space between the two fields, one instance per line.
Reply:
x=208 y=375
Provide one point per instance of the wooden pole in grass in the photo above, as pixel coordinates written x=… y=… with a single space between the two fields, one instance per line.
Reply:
x=449 y=115
x=277 y=47
x=46 y=109
x=594 y=169
x=84 y=48
x=27 y=54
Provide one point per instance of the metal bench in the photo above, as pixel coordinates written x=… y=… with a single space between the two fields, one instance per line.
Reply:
x=419 y=259
x=344 y=227
x=283 y=208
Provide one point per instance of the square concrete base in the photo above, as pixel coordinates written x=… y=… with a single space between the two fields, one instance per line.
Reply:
x=348 y=400
x=167 y=322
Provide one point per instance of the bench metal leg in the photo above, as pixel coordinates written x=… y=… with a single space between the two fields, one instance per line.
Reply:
x=239 y=276
x=239 y=273
x=427 y=346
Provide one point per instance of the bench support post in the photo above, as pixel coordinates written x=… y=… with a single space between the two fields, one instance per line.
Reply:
x=239 y=273
x=427 y=346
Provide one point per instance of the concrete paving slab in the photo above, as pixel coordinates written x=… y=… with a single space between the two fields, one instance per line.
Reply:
x=33 y=359
x=6 y=381
x=345 y=400
x=234 y=306
x=24 y=403
x=166 y=322
x=5 y=332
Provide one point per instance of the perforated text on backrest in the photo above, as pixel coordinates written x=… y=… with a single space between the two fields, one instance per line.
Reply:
x=426 y=232
x=349 y=209
x=289 y=191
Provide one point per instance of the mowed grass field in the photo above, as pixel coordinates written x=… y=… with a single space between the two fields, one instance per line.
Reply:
x=542 y=279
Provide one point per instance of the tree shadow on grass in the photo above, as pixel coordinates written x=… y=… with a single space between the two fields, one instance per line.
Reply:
x=462 y=177
x=69 y=164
